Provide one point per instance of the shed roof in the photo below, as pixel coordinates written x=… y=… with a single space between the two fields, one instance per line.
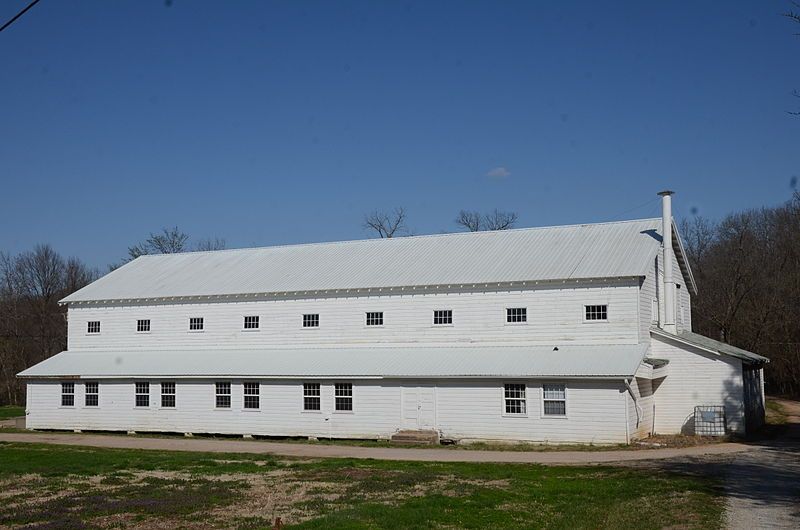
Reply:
x=599 y=361
x=605 y=250
x=706 y=343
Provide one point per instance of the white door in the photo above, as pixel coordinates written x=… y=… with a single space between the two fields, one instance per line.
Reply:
x=419 y=407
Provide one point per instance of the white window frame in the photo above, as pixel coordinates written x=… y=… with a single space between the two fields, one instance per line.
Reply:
x=374 y=318
x=173 y=394
x=201 y=321
x=585 y=307
x=251 y=323
x=219 y=392
x=543 y=415
x=251 y=394
x=516 y=323
x=137 y=391
x=347 y=393
x=654 y=310
x=445 y=324
x=524 y=399
x=91 y=329
x=86 y=393
x=64 y=393
x=142 y=323
x=317 y=396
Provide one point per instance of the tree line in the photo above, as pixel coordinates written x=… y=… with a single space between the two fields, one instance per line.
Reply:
x=747 y=268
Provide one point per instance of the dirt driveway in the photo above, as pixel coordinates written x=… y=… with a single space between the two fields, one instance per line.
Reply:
x=762 y=486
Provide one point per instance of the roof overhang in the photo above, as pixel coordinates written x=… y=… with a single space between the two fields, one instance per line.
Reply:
x=709 y=345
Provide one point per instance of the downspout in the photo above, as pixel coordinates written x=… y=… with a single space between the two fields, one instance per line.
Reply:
x=639 y=411
x=627 y=428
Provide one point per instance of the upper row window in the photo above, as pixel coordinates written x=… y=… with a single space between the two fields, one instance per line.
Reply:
x=441 y=317
x=596 y=312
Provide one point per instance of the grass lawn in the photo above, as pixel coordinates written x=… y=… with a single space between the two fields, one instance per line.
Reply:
x=776 y=415
x=72 y=487
x=11 y=411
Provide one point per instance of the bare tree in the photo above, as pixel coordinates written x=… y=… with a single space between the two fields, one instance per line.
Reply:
x=32 y=325
x=387 y=224
x=794 y=16
x=210 y=243
x=494 y=220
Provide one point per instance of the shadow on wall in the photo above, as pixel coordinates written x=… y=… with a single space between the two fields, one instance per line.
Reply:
x=733 y=404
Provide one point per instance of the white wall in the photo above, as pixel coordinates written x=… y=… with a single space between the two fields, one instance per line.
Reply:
x=651 y=289
x=463 y=410
x=555 y=315
x=695 y=378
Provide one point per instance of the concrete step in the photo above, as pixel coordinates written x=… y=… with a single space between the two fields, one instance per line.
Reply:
x=415 y=437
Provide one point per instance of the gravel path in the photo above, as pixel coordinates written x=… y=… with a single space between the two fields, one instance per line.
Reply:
x=381 y=453
x=763 y=486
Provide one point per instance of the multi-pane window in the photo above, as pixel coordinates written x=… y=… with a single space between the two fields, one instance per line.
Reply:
x=514 y=397
x=251 y=322
x=196 y=324
x=67 y=394
x=516 y=315
x=251 y=395
x=91 y=394
x=311 y=320
x=596 y=312
x=143 y=325
x=375 y=318
x=442 y=317
x=93 y=326
x=343 y=394
x=555 y=399
x=223 y=393
x=168 y=395
x=311 y=396
x=142 y=394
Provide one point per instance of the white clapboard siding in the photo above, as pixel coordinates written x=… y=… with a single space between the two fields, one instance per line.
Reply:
x=648 y=294
x=555 y=314
x=695 y=378
x=683 y=306
x=467 y=410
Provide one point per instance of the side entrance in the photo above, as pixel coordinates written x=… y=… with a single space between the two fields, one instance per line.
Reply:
x=419 y=406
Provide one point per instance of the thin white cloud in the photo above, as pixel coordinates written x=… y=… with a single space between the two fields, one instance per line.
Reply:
x=499 y=172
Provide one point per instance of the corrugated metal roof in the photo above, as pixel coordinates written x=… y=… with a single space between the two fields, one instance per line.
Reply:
x=701 y=341
x=387 y=362
x=606 y=250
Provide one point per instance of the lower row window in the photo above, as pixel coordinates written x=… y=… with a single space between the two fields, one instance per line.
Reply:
x=223 y=393
x=67 y=394
x=251 y=397
x=554 y=399
x=311 y=396
x=92 y=394
x=142 y=394
x=168 y=395
x=343 y=395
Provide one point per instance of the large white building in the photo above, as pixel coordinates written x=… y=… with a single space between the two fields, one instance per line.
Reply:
x=559 y=334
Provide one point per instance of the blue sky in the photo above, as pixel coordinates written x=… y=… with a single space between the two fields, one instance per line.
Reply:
x=282 y=122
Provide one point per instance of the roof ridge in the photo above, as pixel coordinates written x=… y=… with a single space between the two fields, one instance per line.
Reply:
x=481 y=233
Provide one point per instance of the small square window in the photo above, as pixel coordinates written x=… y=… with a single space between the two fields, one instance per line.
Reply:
x=196 y=324
x=555 y=399
x=442 y=317
x=343 y=393
x=516 y=315
x=514 y=397
x=223 y=393
x=92 y=394
x=311 y=396
x=142 y=394
x=168 y=395
x=93 y=326
x=67 y=394
x=375 y=318
x=143 y=326
x=311 y=320
x=251 y=322
x=596 y=312
x=251 y=395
